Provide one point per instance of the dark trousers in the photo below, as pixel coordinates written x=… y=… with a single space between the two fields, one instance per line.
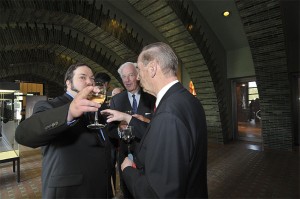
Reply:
x=123 y=187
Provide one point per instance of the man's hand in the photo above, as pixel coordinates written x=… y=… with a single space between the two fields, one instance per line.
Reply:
x=127 y=163
x=81 y=104
x=142 y=118
x=114 y=115
x=123 y=125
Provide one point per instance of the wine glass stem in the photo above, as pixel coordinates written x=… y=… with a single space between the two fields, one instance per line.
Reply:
x=128 y=148
x=96 y=117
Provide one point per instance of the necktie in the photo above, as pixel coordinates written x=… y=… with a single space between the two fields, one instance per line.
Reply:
x=102 y=135
x=134 y=105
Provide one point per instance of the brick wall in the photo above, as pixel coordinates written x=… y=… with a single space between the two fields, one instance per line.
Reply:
x=263 y=25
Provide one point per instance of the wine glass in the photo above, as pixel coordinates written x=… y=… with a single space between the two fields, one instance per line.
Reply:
x=128 y=136
x=98 y=97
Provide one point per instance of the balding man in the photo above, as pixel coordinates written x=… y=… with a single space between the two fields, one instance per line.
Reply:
x=171 y=161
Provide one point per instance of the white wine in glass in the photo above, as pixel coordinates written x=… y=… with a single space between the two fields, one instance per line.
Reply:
x=98 y=97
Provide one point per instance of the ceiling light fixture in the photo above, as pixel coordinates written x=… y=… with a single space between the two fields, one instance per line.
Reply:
x=226 y=13
x=190 y=27
x=6 y=91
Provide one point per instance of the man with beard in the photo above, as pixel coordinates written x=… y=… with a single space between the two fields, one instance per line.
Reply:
x=76 y=160
x=136 y=102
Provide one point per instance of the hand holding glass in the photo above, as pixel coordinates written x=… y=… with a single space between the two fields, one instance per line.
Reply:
x=98 y=97
x=128 y=136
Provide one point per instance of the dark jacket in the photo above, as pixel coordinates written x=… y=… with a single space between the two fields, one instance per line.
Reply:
x=172 y=156
x=76 y=160
x=121 y=103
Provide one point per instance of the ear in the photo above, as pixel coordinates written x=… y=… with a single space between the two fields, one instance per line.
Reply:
x=68 y=83
x=152 y=68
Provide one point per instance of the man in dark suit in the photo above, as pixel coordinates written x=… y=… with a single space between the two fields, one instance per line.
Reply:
x=171 y=160
x=141 y=108
x=76 y=160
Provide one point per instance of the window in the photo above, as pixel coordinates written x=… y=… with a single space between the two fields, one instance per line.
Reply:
x=252 y=91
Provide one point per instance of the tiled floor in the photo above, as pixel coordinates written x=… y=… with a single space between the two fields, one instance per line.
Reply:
x=250 y=131
x=30 y=185
x=234 y=171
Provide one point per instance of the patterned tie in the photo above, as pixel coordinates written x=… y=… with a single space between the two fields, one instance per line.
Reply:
x=134 y=105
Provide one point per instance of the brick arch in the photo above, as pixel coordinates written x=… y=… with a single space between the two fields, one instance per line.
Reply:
x=165 y=16
x=57 y=40
x=79 y=52
x=207 y=71
x=90 y=21
x=34 y=61
x=89 y=29
x=41 y=62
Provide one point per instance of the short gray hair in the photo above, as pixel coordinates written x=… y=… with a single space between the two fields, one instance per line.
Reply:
x=164 y=55
x=125 y=65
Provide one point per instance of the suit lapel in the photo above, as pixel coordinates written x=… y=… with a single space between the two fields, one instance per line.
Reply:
x=145 y=104
x=127 y=105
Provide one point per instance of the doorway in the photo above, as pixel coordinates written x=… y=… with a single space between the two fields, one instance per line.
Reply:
x=247 y=109
x=296 y=108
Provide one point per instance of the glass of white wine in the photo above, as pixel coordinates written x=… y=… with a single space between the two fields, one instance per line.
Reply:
x=98 y=97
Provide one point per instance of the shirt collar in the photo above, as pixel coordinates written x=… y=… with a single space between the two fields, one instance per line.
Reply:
x=163 y=91
x=70 y=94
x=138 y=92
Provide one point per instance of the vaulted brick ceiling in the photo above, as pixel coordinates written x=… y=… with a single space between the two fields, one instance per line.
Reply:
x=58 y=33
x=39 y=39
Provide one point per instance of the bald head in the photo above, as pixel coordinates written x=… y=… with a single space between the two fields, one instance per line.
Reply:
x=116 y=90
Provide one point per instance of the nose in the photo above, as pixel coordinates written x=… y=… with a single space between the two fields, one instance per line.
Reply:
x=90 y=82
x=126 y=79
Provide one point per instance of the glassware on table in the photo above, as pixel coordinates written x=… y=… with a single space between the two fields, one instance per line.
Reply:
x=98 y=97
x=128 y=136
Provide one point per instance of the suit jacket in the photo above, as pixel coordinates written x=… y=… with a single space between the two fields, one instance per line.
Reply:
x=76 y=161
x=121 y=103
x=172 y=156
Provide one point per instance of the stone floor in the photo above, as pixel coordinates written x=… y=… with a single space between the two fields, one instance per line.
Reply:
x=234 y=171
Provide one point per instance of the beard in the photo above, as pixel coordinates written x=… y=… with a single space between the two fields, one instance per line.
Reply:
x=73 y=88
